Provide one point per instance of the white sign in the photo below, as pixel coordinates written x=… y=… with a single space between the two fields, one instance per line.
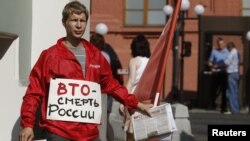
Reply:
x=74 y=100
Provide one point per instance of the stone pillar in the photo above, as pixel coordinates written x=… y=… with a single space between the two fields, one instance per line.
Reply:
x=116 y=121
x=103 y=126
x=181 y=116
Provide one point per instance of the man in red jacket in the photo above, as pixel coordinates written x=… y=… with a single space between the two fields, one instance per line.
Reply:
x=70 y=58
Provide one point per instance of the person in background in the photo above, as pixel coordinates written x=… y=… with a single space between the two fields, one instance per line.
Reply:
x=232 y=63
x=72 y=57
x=140 y=48
x=115 y=63
x=99 y=42
x=115 y=66
x=219 y=74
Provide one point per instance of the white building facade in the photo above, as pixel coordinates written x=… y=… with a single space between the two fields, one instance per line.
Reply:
x=27 y=27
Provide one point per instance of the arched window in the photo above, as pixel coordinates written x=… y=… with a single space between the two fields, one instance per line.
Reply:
x=144 y=13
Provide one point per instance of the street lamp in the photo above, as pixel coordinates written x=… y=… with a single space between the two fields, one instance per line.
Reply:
x=185 y=4
x=184 y=7
x=180 y=28
x=199 y=9
x=185 y=46
x=248 y=35
x=168 y=10
x=101 y=28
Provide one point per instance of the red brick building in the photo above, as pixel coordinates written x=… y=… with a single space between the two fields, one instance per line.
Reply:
x=127 y=18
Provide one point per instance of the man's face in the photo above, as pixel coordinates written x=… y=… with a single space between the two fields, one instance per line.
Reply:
x=221 y=44
x=75 y=25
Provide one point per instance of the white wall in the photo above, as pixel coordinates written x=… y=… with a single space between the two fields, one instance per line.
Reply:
x=11 y=94
x=47 y=25
x=38 y=26
x=16 y=18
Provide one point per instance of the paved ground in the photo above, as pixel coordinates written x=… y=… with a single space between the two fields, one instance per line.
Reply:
x=200 y=119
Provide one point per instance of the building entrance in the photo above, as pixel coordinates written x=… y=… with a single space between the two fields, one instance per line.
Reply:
x=231 y=29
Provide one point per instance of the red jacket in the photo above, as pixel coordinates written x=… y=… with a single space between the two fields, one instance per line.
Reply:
x=58 y=62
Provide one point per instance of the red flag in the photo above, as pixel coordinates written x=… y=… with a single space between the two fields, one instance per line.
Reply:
x=152 y=78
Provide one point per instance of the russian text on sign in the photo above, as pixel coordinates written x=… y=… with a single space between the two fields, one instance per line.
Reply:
x=74 y=100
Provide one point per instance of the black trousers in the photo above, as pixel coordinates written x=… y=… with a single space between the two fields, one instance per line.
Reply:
x=219 y=87
x=53 y=137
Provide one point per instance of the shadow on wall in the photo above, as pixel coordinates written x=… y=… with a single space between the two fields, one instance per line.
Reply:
x=37 y=130
x=6 y=40
x=15 y=131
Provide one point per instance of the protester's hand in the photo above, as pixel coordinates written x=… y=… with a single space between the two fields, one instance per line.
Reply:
x=145 y=108
x=26 y=134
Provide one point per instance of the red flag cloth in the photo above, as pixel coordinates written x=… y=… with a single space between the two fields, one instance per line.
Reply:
x=152 y=78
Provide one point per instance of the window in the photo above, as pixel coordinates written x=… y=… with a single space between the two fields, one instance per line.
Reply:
x=246 y=8
x=144 y=13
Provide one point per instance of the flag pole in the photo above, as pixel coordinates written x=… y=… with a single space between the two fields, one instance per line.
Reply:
x=157 y=95
x=168 y=44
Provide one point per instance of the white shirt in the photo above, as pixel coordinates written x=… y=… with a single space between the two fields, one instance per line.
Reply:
x=232 y=61
x=136 y=68
x=139 y=71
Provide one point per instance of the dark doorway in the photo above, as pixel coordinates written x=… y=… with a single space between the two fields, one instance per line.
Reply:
x=230 y=29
